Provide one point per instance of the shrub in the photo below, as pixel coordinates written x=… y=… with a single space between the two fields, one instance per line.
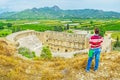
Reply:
x=69 y=31
x=23 y=50
x=58 y=28
x=26 y=52
x=9 y=25
x=117 y=44
x=102 y=31
x=5 y=32
x=92 y=32
x=46 y=53
x=33 y=53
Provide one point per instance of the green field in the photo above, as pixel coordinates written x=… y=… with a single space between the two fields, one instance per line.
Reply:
x=115 y=35
x=5 y=32
x=56 y=25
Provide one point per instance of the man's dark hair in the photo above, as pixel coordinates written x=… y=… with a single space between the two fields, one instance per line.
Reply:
x=96 y=31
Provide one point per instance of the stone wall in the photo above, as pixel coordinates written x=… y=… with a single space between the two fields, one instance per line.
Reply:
x=66 y=42
x=58 y=41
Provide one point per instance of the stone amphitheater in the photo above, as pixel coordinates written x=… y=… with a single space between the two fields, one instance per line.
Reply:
x=61 y=43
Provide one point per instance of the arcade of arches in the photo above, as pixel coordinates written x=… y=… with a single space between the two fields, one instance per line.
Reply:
x=57 y=41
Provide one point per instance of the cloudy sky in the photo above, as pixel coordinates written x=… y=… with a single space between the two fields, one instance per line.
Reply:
x=17 y=5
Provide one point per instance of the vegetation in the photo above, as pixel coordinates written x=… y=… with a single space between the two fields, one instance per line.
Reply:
x=58 y=28
x=46 y=53
x=5 y=32
x=2 y=25
x=70 y=31
x=56 y=13
x=9 y=25
x=117 y=44
x=37 y=27
x=59 y=25
x=115 y=35
x=102 y=31
x=47 y=67
x=26 y=52
x=4 y=29
x=15 y=68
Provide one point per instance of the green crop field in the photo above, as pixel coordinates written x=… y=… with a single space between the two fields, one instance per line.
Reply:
x=43 y=25
x=5 y=32
x=115 y=35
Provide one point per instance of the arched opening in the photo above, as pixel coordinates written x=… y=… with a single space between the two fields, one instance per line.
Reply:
x=66 y=50
x=58 y=49
x=46 y=40
x=51 y=48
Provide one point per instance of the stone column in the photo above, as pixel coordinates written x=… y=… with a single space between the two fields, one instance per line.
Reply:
x=86 y=42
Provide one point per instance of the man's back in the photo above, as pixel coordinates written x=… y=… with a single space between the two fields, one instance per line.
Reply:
x=95 y=41
x=95 y=49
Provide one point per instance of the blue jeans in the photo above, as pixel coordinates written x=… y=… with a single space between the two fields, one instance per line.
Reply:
x=96 y=54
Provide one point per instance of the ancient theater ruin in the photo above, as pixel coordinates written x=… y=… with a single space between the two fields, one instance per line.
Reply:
x=58 y=42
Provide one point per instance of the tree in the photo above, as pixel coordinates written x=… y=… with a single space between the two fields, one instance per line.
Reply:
x=46 y=53
x=117 y=44
x=91 y=22
x=65 y=28
x=55 y=28
x=92 y=32
x=1 y=25
x=68 y=27
x=102 y=31
x=9 y=25
x=18 y=28
x=75 y=27
x=58 y=28
x=13 y=29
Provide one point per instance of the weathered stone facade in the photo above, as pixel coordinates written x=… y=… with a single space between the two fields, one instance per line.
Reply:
x=57 y=41
x=66 y=42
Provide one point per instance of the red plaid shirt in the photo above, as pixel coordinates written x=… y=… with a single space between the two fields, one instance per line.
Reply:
x=95 y=41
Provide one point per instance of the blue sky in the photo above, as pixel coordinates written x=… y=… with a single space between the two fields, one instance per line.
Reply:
x=106 y=5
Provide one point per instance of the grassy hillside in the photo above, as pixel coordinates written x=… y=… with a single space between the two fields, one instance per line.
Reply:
x=14 y=68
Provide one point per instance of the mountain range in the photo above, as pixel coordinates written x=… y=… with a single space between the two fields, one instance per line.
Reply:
x=2 y=10
x=56 y=13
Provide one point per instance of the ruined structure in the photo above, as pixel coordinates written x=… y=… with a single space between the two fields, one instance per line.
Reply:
x=60 y=43
x=57 y=41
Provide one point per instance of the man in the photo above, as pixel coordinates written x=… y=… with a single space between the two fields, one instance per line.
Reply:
x=95 y=49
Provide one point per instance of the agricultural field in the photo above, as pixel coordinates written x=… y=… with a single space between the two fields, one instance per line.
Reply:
x=115 y=35
x=56 y=68
x=57 y=25
x=5 y=32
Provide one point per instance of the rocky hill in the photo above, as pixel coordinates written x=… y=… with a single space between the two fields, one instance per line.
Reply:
x=56 y=13
x=15 y=68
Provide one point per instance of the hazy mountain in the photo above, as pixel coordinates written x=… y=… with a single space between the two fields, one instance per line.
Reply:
x=56 y=13
x=2 y=10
